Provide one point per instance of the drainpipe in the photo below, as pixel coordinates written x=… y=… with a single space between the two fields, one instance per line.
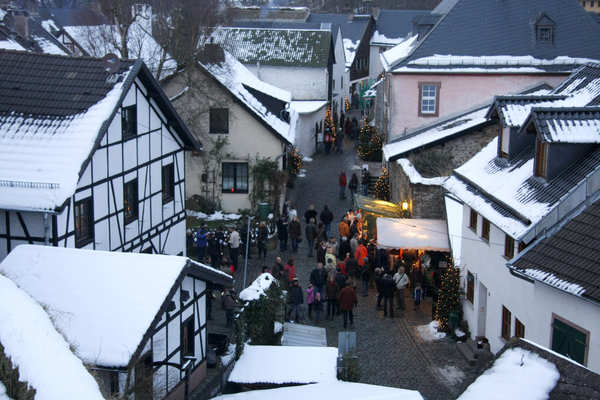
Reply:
x=46 y=229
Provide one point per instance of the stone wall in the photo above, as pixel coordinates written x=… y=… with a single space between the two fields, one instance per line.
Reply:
x=427 y=201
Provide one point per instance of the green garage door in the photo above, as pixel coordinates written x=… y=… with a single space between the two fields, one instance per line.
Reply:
x=568 y=341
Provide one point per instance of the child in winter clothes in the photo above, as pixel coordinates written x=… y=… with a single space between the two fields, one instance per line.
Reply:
x=310 y=299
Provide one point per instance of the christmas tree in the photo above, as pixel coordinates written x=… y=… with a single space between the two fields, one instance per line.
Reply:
x=448 y=297
x=329 y=122
x=346 y=104
x=294 y=162
x=382 y=185
x=370 y=143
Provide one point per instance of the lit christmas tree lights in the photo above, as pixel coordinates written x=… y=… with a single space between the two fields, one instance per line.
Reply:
x=448 y=297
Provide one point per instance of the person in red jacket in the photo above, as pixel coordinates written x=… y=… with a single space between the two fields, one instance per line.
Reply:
x=290 y=270
x=347 y=300
x=342 y=182
x=361 y=253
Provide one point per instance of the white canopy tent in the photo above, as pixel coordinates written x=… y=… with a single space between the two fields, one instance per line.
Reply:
x=422 y=234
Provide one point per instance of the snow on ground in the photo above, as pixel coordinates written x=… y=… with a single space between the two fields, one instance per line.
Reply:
x=397 y=53
x=285 y=364
x=329 y=390
x=229 y=356
x=459 y=333
x=41 y=354
x=452 y=374
x=257 y=287
x=216 y=216
x=430 y=332
x=516 y=374
x=306 y=159
x=92 y=295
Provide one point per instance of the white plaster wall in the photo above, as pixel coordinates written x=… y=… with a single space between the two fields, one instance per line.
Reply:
x=305 y=131
x=339 y=74
x=375 y=66
x=303 y=82
x=532 y=303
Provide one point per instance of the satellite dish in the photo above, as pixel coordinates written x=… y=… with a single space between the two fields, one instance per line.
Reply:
x=111 y=63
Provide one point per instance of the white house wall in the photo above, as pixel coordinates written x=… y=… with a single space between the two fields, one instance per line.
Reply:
x=375 y=66
x=303 y=82
x=165 y=342
x=305 y=130
x=532 y=304
x=340 y=76
x=112 y=164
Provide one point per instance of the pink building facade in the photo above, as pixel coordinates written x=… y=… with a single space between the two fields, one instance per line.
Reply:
x=455 y=93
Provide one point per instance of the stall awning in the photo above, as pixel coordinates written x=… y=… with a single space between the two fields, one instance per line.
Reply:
x=380 y=208
x=422 y=234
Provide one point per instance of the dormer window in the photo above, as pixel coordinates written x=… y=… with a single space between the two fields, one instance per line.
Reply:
x=545 y=34
x=541 y=159
x=504 y=137
x=544 y=29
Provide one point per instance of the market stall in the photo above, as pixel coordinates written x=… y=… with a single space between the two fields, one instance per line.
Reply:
x=372 y=209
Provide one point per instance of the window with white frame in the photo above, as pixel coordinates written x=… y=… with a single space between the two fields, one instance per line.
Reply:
x=428 y=98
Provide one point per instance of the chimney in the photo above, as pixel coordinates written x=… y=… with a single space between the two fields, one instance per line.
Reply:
x=212 y=54
x=21 y=19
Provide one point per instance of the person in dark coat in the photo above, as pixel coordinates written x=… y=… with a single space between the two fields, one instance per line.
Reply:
x=321 y=251
x=212 y=247
x=295 y=233
x=347 y=300
x=364 y=277
x=364 y=181
x=310 y=231
x=262 y=238
x=229 y=305
x=331 y=293
x=282 y=232
x=277 y=271
x=352 y=270
x=318 y=278
x=353 y=185
x=295 y=301
x=388 y=286
x=326 y=217
x=379 y=286
x=344 y=248
x=311 y=213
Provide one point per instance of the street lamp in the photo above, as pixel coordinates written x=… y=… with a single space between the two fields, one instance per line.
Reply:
x=404 y=207
x=250 y=218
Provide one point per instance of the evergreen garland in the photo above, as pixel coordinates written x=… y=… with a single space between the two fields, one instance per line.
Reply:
x=382 y=185
x=448 y=297
x=329 y=122
x=294 y=162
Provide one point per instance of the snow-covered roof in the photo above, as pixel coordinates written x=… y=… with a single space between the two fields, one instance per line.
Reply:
x=415 y=177
x=258 y=287
x=438 y=131
x=329 y=390
x=397 y=53
x=41 y=155
x=307 y=106
x=276 y=47
x=99 y=40
x=567 y=125
x=92 y=295
x=53 y=112
x=516 y=374
x=43 y=357
x=10 y=44
x=454 y=218
x=242 y=83
x=285 y=365
x=350 y=47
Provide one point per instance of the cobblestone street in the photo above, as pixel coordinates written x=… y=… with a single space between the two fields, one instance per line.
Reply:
x=390 y=351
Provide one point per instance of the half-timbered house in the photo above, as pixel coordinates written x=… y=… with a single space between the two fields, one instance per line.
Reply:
x=91 y=156
x=137 y=321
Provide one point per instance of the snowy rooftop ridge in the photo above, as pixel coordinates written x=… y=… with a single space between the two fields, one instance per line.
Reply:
x=41 y=354
x=285 y=365
x=552 y=280
x=516 y=374
x=91 y=295
x=506 y=60
x=415 y=177
x=350 y=48
x=235 y=76
x=393 y=56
